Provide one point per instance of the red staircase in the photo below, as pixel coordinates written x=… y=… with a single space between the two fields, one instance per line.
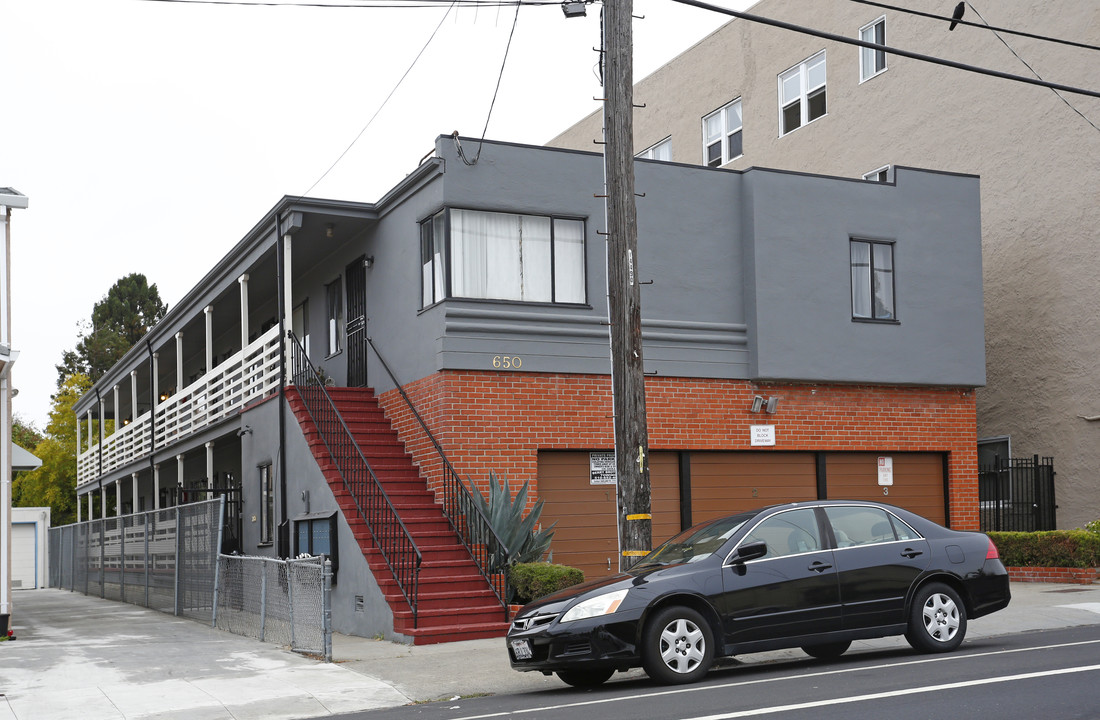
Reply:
x=454 y=600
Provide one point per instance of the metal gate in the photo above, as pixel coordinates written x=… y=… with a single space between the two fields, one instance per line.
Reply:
x=356 y=281
x=1017 y=494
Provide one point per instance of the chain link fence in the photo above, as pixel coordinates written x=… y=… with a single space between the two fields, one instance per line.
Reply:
x=281 y=601
x=161 y=559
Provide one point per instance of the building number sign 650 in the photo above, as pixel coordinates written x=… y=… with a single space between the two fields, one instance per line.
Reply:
x=507 y=362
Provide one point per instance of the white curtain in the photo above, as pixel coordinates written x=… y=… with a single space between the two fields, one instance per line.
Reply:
x=500 y=256
x=861 y=279
x=568 y=261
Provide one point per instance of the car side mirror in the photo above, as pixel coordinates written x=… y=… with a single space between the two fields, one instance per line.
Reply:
x=751 y=551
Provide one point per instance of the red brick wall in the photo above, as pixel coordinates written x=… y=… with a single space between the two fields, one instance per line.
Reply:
x=500 y=420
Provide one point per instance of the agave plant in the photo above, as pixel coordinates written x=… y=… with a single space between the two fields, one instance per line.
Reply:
x=524 y=540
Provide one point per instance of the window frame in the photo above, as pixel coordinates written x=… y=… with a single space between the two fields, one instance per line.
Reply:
x=864 y=76
x=442 y=277
x=309 y=522
x=805 y=94
x=887 y=169
x=334 y=317
x=872 y=242
x=725 y=155
x=648 y=153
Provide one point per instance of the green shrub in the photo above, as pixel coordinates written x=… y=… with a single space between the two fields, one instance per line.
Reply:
x=1055 y=548
x=534 y=580
x=1093 y=527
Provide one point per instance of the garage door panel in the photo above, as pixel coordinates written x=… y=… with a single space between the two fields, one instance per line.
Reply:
x=724 y=483
x=918 y=481
x=586 y=535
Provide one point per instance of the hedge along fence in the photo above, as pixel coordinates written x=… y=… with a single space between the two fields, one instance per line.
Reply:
x=534 y=580
x=1069 y=556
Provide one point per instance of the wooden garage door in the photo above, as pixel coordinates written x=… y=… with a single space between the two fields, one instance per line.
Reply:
x=918 y=481
x=724 y=483
x=586 y=535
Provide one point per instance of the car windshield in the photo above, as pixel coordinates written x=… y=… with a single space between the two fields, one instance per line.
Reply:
x=696 y=543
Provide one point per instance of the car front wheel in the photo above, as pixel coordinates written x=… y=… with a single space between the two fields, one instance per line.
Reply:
x=677 y=646
x=937 y=619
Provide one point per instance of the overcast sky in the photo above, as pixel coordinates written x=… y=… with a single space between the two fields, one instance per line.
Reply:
x=151 y=136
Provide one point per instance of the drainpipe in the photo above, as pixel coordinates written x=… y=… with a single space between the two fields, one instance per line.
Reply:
x=280 y=265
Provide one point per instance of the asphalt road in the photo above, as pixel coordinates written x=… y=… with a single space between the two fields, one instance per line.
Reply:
x=1048 y=675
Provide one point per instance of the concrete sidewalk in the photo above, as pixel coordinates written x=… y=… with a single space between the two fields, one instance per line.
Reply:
x=84 y=657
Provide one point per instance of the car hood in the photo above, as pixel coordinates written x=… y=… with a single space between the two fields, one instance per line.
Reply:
x=556 y=602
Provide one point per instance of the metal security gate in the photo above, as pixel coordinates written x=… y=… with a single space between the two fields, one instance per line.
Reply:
x=1017 y=494
x=356 y=281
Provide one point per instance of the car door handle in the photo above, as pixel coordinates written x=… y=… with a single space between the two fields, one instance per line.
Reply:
x=818 y=566
x=911 y=553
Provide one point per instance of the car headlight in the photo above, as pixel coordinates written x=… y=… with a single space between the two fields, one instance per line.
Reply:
x=594 y=607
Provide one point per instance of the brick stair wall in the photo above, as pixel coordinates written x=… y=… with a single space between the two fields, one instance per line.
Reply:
x=455 y=601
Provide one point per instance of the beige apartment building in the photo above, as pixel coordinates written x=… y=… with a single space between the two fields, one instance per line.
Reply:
x=755 y=95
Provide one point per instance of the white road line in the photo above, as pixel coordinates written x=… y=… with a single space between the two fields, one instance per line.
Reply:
x=895 y=693
x=743 y=683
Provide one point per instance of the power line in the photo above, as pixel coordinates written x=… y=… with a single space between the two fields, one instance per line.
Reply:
x=986 y=26
x=384 y=102
x=895 y=51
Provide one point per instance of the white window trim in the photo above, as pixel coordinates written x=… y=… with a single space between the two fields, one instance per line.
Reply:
x=647 y=154
x=871 y=176
x=885 y=60
x=804 y=91
x=726 y=132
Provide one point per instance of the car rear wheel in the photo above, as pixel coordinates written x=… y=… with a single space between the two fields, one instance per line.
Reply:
x=584 y=678
x=827 y=651
x=937 y=619
x=677 y=646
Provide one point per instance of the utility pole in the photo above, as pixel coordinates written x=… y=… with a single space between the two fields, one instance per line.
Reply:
x=623 y=294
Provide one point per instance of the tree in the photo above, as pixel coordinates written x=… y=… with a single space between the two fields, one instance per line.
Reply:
x=54 y=484
x=24 y=434
x=131 y=307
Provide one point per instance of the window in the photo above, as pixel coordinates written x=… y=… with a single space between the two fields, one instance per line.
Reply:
x=865 y=526
x=315 y=534
x=788 y=533
x=502 y=256
x=661 y=151
x=883 y=174
x=267 y=505
x=722 y=135
x=334 y=316
x=872 y=280
x=802 y=94
x=872 y=62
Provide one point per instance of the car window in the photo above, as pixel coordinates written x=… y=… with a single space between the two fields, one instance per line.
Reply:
x=788 y=533
x=696 y=543
x=860 y=526
x=903 y=531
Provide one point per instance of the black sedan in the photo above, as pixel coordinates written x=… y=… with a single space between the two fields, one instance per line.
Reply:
x=814 y=575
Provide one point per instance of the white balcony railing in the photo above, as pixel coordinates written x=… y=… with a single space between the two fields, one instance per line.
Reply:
x=222 y=392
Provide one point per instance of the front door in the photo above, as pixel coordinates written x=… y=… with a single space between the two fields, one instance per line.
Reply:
x=356 y=281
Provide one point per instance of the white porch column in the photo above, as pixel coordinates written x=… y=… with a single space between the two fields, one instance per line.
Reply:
x=179 y=476
x=210 y=466
x=156 y=487
x=118 y=420
x=134 y=493
x=209 y=312
x=79 y=441
x=179 y=361
x=118 y=497
x=102 y=416
x=288 y=296
x=243 y=280
x=102 y=501
x=133 y=396
x=91 y=508
x=156 y=383
x=79 y=508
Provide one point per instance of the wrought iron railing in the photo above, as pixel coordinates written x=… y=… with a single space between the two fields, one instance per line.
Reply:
x=461 y=510
x=1017 y=494
x=392 y=538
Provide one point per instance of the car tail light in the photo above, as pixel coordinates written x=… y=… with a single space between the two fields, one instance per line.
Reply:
x=991 y=553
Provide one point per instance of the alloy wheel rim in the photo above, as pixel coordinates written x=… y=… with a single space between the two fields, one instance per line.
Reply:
x=683 y=646
x=941 y=618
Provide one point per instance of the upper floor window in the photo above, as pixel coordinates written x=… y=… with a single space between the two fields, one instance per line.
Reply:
x=661 y=151
x=872 y=280
x=883 y=174
x=502 y=256
x=872 y=61
x=334 y=316
x=722 y=135
x=802 y=93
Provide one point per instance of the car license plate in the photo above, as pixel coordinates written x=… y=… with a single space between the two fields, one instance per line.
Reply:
x=521 y=649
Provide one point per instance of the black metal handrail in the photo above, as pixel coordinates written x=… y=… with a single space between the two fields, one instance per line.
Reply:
x=465 y=515
x=392 y=538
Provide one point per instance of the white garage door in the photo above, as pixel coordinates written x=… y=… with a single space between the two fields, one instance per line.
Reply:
x=23 y=556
